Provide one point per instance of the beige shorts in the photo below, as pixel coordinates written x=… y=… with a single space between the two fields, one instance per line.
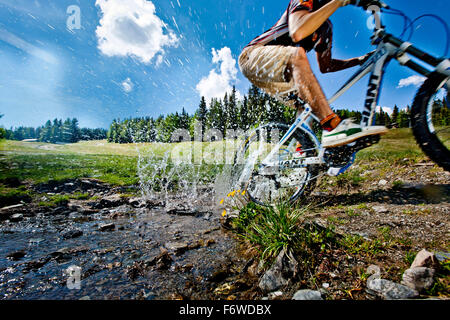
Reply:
x=265 y=67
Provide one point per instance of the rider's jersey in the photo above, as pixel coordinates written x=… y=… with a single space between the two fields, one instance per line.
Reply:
x=279 y=33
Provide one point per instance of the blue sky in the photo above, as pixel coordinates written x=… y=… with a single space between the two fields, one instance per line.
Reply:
x=156 y=57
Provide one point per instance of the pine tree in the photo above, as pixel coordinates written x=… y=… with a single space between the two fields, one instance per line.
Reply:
x=75 y=130
x=66 y=131
x=395 y=114
x=232 y=111
x=243 y=115
x=46 y=132
x=202 y=114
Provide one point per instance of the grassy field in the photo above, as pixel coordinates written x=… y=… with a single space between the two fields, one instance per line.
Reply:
x=117 y=163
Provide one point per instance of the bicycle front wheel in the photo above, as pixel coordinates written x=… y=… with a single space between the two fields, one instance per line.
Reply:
x=282 y=181
x=430 y=118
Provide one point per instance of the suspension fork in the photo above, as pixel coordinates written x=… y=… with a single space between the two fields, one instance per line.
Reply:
x=303 y=120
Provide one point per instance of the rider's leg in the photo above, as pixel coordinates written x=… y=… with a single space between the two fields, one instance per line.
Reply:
x=336 y=132
x=309 y=89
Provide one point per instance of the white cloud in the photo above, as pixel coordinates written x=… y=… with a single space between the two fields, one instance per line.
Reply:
x=132 y=28
x=127 y=85
x=387 y=110
x=216 y=84
x=411 y=81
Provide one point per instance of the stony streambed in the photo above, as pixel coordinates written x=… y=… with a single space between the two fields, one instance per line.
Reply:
x=116 y=248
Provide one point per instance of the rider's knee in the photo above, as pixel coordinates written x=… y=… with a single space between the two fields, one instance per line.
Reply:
x=299 y=57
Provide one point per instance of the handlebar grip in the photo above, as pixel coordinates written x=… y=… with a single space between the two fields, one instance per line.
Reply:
x=367 y=3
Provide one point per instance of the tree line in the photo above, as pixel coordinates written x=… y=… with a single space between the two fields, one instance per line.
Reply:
x=230 y=114
x=397 y=119
x=224 y=115
x=56 y=131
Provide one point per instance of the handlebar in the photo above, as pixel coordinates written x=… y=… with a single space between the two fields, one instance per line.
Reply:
x=366 y=4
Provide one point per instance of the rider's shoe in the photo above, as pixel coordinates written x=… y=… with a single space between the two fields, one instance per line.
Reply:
x=347 y=132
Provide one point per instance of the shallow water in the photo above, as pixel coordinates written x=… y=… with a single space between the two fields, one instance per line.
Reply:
x=105 y=256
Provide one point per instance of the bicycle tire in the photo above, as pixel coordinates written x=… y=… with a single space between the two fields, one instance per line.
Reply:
x=426 y=139
x=308 y=188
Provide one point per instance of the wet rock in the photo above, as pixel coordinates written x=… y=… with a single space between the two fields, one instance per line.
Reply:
x=121 y=211
x=276 y=294
x=114 y=265
x=71 y=234
x=60 y=256
x=186 y=267
x=12 y=207
x=164 y=260
x=153 y=203
x=109 y=202
x=88 y=212
x=255 y=269
x=107 y=227
x=91 y=184
x=307 y=295
x=16 y=217
x=425 y=259
x=177 y=247
x=104 y=251
x=136 y=270
x=225 y=289
x=59 y=210
x=76 y=250
x=136 y=202
x=418 y=278
x=218 y=276
x=36 y=264
x=280 y=273
x=92 y=270
x=390 y=290
x=16 y=255
x=182 y=211
x=380 y=209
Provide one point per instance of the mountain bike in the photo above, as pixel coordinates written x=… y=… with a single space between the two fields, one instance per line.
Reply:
x=270 y=170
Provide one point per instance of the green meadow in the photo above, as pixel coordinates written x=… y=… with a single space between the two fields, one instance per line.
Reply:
x=117 y=164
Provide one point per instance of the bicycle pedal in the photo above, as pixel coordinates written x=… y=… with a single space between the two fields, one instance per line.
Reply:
x=341 y=156
x=365 y=142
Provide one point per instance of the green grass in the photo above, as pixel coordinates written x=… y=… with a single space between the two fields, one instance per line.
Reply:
x=11 y=196
x=441 y=285
x=355 y=244
x=109 y=162
x=118 y=170
x=409 y=257
x=270 y=230
x=55 y=201
x=395 y=146
x=58 y=200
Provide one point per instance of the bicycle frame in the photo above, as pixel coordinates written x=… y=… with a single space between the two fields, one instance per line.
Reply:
x=388 y=48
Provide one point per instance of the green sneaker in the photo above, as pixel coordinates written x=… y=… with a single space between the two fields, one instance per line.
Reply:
x=347 y=132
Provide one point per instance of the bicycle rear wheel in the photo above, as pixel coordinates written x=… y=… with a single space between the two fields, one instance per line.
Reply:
x=430 y=118
x=279 y=183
